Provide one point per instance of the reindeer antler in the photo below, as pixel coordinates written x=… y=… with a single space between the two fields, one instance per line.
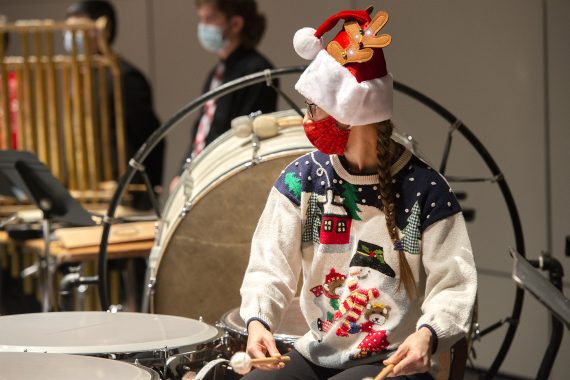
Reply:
x=370 y=37
x=361 y=41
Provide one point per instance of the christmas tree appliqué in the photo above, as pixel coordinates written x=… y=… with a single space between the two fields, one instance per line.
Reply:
x=312 y=226
x=412 y=233
x=350 y=200
x=294 y=184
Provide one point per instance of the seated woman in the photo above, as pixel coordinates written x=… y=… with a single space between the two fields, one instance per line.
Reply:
x=388 y=272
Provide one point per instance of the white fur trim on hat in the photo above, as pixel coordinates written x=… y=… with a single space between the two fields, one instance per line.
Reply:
x=334 y=89
x=306 y=44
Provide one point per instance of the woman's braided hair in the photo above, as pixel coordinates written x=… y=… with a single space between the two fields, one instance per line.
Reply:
x=386 y=157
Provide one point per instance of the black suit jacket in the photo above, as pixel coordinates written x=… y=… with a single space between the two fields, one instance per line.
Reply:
x=242 y=102
x=140 y=119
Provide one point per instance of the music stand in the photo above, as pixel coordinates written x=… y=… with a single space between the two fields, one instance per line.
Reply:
x=530 y=279
x=550 y=295
x=23 y=176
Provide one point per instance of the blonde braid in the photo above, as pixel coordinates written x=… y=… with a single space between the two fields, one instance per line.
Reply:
x=385 y=161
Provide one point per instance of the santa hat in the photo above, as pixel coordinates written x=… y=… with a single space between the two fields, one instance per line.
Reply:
x=348 y=79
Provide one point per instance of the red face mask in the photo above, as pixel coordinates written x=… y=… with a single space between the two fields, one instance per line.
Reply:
x=326 y=136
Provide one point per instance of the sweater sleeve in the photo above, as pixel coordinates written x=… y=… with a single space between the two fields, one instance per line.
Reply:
x=451 y=280
x=270 y=281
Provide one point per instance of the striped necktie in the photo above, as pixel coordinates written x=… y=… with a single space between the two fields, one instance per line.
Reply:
x=209 y=111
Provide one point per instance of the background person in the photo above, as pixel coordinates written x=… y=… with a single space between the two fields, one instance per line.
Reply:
x=231 y=29
x=140 y=118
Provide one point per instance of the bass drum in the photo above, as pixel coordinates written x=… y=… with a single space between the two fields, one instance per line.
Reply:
x=202 y=247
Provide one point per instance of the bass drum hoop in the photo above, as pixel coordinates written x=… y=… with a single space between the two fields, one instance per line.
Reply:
x=289 y=144
x=162 y=240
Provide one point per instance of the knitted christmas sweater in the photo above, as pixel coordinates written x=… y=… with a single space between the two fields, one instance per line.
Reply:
x=329 y=224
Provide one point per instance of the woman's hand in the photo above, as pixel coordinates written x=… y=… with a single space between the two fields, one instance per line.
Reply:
x=413 y=355
x=260 y=344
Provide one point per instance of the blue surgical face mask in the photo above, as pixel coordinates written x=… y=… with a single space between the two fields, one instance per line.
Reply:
x=68 y=41
x=211 y=37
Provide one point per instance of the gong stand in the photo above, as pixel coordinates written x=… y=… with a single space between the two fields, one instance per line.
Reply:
x=455 y=125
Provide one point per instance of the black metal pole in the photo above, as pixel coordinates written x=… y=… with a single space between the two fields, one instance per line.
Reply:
x=151 y=194
x=555 y=274
x=556 y=333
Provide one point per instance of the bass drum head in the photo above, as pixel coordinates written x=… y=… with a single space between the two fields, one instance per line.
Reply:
x=200 y=269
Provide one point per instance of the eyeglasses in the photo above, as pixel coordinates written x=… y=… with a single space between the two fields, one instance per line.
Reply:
x=311 y=109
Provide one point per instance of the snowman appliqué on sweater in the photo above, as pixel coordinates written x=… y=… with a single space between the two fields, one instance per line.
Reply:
x=367 y=264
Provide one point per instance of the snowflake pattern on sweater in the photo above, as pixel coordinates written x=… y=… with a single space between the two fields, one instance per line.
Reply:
x=338 y=220
x=416 y=182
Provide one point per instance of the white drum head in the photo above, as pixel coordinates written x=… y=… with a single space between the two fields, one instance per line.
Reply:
x=100 y=332
x=26 y=366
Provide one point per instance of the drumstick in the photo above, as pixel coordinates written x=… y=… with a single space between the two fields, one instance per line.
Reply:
x=271 y=360
x=241 y=362
x=264 y=126
x=385 y=372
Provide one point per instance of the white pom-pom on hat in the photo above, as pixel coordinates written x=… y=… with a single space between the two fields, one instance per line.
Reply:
x=306 y=44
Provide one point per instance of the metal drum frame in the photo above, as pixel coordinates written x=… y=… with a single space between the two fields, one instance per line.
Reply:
x=454 y=125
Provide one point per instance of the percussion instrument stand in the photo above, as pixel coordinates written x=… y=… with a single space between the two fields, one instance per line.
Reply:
x=11 y=219
x=150 y=191
x=47 y=267
x=71 y=281
x=550 y=295
x=25 y=175
x=3 y=223
x=44 y=267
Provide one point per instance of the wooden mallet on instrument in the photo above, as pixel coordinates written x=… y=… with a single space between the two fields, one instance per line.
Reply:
x=264 y=126
x=242 y=363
